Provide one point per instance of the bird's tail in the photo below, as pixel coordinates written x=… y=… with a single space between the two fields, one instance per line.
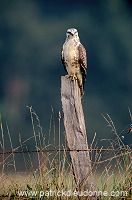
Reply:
x=81 y=86
x=81 y=90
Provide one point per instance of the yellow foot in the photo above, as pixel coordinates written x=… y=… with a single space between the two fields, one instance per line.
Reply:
x=73 y=77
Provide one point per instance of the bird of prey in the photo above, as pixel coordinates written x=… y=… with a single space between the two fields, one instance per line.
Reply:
x=74 y=58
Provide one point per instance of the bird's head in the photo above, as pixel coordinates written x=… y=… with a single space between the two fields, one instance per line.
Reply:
x=72 y=33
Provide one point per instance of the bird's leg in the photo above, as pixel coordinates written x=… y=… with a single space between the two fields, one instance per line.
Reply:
x=73 y=77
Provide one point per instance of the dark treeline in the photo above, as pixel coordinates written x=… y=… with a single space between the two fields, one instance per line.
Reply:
x=31 y=37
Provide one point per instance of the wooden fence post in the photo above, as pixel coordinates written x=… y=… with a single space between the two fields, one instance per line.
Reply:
x=76 y=134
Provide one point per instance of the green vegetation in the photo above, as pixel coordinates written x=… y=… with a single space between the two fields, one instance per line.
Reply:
x=31 y=37
x=51 y=174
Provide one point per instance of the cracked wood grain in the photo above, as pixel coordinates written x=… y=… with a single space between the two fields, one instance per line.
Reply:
x=75 y=129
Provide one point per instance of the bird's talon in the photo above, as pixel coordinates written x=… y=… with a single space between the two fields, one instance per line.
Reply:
x=73 y=77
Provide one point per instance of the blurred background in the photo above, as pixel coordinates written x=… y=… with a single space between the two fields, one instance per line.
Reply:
x=32 y=33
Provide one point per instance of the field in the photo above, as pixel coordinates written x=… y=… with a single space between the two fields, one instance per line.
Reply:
x=53 y=177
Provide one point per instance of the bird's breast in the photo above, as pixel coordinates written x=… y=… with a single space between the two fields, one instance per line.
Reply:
x=71 y=56
x=70 y=52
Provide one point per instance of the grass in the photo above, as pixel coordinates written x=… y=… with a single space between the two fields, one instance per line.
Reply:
x=112 y=169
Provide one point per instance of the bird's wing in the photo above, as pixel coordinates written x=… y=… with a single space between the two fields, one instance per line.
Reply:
x=82 y=61
x=62 y=59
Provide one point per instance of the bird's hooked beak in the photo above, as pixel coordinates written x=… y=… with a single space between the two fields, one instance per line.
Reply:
x=72 y=33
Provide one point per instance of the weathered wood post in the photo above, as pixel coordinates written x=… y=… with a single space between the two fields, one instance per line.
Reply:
x=74 y=124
